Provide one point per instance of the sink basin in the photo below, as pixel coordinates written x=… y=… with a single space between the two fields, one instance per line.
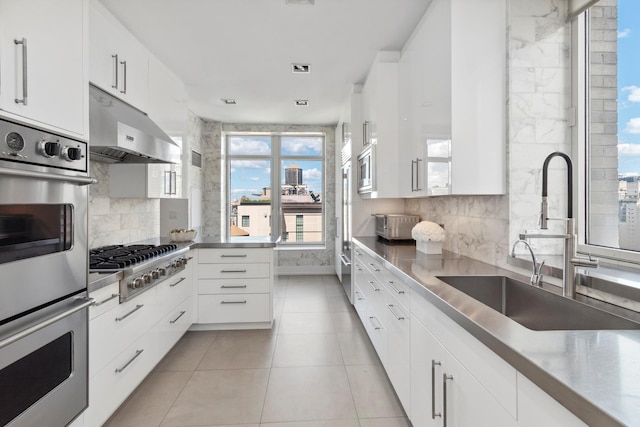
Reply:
x=536 y=308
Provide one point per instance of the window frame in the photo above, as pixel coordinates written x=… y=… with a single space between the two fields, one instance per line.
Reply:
x=276 y=158
x=580 y=60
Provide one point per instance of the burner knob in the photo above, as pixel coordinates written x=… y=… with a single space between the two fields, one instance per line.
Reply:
x=71 y=153
x=48 y=148
x=176 y=264
x=138 y=282
x=147 y=278
x=155 y=274
x=162 y=271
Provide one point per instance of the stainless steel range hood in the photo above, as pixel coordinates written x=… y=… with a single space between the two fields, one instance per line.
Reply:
x=119 y=133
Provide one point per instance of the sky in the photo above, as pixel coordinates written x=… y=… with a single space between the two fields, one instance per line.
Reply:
x=629 y=87
x=249 y=176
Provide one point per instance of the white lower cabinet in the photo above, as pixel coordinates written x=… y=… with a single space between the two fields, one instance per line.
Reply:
x=398 y=321
x=234 y=288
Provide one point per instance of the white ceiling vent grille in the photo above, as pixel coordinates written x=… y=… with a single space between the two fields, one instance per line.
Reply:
x=229 y=101
x=302 y=102
x=307 y=2
x=300 y=68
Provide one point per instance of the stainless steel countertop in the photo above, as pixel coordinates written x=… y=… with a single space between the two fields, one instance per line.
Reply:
x=594 y=374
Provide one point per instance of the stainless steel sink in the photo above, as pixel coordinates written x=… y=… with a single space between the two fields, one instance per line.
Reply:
x=535 y=308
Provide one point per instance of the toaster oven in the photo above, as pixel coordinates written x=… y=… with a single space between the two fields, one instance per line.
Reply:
x=395 y=226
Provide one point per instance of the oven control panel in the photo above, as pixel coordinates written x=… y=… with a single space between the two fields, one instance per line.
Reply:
x=23 y=144
x=152 y=276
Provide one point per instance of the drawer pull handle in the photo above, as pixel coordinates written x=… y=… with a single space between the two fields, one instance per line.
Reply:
x=233 y=271
x=358 y=267
x=390 y=307
x=433 y=389
x=233 y=286
x=359 y=297
x=179 y=281
x=233 y=302
x=138 y=353
x=138 y=307
x=445 y=377
x=373 y=286
x=375 y=267
x=104 y=301
x=376 y=327
x=396 y=290
x=179 y=316
x=233 y=256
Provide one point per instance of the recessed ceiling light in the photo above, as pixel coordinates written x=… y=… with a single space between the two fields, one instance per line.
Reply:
x=229 y=101
x=307 y=2
x=302 y=102
x=300 y=68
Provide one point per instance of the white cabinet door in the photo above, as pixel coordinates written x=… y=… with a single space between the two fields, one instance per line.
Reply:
x=151 y=181
x=42 y=57
x=427 y=357
x=167 y=100
x=398 y=321
x=119 y=63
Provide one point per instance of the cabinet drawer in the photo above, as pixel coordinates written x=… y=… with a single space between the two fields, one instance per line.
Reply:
x=233 y=271
x=234 y=256
x=173 y=326
x=113 y=331
x=234 y=308
x=400 y=290
x=173 y=291
x=233 y=286
x=360 y=303
x=105 y=298
x=111 y=386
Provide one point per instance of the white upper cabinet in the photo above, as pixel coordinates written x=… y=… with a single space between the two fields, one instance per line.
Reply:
x=380 y=124
x=42 y=73
x=119 y=63
x=452 y=101
x=167 y=100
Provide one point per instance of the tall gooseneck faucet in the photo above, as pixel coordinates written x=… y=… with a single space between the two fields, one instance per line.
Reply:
x=571 y=259
x=545 y=170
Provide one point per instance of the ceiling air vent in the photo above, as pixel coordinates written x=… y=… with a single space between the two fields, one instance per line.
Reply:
x=307 y=2
x=229 y=101
x=300 y=68
x=302 y=102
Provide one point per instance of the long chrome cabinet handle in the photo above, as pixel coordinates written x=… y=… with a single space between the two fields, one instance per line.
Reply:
x=233 y=271
x=390 y=307
x=396 y=290
x=375 y=267
x=23 y=42
x=179 y=316
x=104 y=301
x=121 y=318
x=80 y=180
x=115 y=71
x=417 y=175
x=359 y=298
x=233 y=302
x=372 y=284
x=35 y=328
x=233 y=256
x=138 y=353
x=434 y=414
x=445 y=377
x=377 y=328
x=124 y=77
x=233 y=286
x=178 y=282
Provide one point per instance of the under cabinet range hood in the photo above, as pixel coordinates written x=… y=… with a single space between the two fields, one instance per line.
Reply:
x=119 y=133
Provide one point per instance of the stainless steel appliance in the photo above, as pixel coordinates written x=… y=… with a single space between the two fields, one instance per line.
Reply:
x=395 y=226
x=143 y=266
x=366 y=174
x=43 y=265
x=345 y=255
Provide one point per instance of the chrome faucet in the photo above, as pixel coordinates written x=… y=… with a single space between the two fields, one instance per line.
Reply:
x=536 y=276
x=571 y=260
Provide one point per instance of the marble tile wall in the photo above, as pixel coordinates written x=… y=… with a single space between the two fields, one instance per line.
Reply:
x=483 y=227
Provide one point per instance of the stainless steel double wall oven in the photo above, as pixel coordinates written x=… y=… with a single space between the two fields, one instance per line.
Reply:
x=43 y=277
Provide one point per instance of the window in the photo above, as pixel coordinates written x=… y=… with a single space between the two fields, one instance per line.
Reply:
x=279 y=176
x=610 y=32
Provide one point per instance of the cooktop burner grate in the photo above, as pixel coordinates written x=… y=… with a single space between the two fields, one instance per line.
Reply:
x=119 y=256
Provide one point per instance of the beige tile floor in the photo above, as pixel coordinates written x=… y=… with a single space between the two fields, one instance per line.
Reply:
x=315 y=368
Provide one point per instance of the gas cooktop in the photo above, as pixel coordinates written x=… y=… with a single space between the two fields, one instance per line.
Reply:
x=116 y=257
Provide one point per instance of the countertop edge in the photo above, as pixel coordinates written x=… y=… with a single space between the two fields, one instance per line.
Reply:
x=583 y=408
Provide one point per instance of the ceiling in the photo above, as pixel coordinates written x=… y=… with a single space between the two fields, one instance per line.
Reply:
x=243 y=50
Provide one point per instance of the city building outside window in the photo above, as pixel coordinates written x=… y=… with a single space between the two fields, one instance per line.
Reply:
x=293 y=165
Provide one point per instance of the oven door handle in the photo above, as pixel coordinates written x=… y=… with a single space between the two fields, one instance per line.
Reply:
x=80 y=180
x=86 y=302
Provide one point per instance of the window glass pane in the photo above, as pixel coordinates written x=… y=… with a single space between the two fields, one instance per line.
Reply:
x=302 y=200
x=614 y=127
x=250 y=197
x=250 y=145
x=302 y=145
